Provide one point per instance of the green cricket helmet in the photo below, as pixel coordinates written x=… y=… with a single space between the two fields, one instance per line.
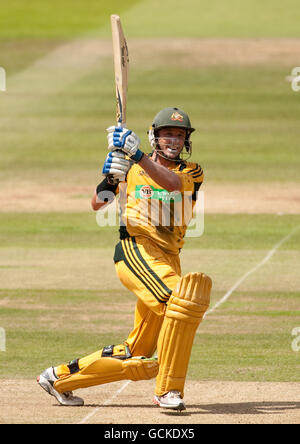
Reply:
x=171 y=117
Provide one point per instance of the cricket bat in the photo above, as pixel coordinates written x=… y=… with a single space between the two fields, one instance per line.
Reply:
x=121 y=61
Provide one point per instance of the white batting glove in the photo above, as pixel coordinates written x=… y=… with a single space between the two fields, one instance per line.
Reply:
x=116 y=166
x=124 y=139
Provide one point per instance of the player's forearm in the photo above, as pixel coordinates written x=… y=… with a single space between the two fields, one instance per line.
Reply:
x=161 y=175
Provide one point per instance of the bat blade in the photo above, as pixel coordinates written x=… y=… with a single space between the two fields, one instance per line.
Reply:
x=121 y=62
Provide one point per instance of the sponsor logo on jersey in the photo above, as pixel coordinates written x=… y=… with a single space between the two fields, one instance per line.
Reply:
x=149 y=192
x=146 y=192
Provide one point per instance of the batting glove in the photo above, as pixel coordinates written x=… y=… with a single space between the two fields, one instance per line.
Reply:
x=124 y=139
x=116 y=166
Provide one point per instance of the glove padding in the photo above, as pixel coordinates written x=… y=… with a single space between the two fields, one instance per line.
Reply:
x=116 y=166
x=125 y=140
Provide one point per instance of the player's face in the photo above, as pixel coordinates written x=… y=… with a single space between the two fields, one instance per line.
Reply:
x=171 y=141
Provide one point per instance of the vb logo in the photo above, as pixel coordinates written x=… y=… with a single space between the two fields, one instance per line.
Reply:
x=296 y=341
x=2 y=79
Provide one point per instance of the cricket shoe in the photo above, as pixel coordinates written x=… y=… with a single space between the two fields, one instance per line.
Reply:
x=46 y=381
x=171 y=400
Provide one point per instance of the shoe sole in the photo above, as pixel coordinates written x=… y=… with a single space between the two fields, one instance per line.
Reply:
x=180 y=407
x=44 y=383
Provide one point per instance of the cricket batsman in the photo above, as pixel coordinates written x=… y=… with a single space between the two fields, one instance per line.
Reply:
x=170 y=306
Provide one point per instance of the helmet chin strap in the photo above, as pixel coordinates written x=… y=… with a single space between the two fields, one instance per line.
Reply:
x=159 y=152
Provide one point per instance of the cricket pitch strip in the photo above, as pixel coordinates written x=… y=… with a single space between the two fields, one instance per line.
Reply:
x=208 y=402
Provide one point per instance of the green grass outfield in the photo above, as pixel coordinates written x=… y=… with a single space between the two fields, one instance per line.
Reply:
x=246 y=121
x=80 y=230
x=231 y=18
x=59 y=296
x=53 y=117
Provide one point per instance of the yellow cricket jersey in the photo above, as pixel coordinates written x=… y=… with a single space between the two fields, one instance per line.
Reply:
x=147 y=210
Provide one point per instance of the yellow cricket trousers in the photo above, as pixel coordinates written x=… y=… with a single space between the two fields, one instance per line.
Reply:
x=151 y=274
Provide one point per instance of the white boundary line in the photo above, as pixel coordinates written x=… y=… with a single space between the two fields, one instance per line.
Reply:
x=220 y=302
x=253 y=270
x=93 y=412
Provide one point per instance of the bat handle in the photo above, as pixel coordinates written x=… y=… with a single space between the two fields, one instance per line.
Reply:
x=110 y=178
x=121 y=125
